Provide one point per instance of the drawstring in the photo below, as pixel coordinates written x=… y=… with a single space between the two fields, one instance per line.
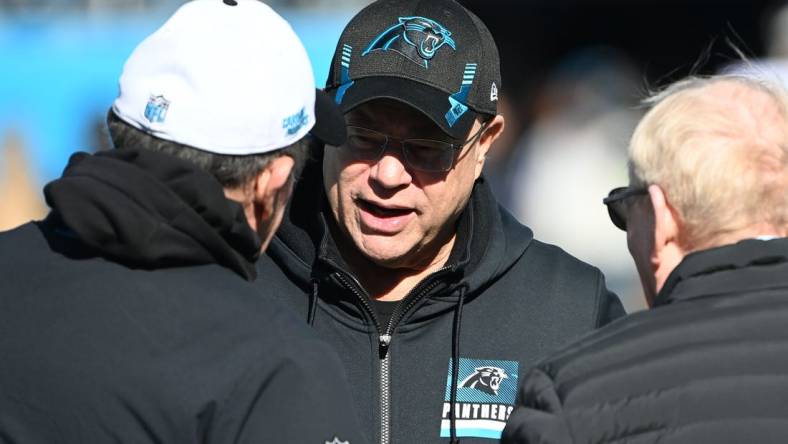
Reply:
x=455 y=365
x=310 y=318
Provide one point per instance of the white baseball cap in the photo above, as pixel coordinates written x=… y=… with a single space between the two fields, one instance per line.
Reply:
x=226 y=76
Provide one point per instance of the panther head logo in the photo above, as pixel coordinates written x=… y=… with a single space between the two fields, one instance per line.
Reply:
x=486 y=379
x=417 y=38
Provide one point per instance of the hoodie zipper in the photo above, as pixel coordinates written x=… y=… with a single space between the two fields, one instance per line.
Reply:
x=383 y=343
x=384 y=337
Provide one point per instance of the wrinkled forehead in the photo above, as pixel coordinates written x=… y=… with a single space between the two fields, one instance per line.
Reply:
x=394 y=118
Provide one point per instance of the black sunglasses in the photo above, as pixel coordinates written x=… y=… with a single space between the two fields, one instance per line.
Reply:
x=615 y=203
x=428 y=155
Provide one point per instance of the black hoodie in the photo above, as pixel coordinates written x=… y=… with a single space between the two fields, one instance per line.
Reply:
x=128 y=316
x=502 y=302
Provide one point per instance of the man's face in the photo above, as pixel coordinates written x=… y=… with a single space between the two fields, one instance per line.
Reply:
x=267 y=228
x=640 y=241
x=267 y=198
x=396 y=216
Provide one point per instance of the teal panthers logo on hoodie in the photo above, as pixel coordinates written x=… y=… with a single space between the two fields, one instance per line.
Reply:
x=486 y=391
x=486 y=379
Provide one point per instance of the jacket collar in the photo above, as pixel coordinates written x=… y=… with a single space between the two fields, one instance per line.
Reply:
x=720 y=270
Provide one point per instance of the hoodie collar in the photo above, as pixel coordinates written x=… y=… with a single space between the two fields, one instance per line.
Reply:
x=152 y=210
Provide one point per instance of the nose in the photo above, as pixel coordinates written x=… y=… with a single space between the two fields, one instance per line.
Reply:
x=390 y=171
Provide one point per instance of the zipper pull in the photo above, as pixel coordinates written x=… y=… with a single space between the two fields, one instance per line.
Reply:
x=383 y=343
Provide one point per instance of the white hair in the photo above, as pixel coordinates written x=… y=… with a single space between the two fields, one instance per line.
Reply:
x=718 y=147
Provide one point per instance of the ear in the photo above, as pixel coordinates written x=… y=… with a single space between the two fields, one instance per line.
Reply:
x=269 y=184
x=667 y=252
x=494 y=130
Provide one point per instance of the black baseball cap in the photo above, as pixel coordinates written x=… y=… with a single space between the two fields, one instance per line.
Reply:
x=433 y=55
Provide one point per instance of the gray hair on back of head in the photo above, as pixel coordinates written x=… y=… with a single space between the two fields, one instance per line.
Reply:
x=722 y=162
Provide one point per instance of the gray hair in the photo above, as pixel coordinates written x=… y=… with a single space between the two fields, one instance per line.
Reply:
x=230 y=170
x=722 y=160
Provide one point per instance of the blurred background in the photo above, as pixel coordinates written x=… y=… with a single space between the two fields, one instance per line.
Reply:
x=573 y=75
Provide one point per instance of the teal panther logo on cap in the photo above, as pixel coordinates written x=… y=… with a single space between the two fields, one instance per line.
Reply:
x=417 y=38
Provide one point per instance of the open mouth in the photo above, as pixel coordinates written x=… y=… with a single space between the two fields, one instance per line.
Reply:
x=428 y=46
x=382 y=212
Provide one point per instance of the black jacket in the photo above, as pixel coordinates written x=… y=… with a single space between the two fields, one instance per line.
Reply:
x=708 y=364
x=127 y=316
x=503 y=301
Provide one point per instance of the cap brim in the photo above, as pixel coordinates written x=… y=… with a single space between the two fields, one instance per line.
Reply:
x=430 y=101
x=329 y=121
